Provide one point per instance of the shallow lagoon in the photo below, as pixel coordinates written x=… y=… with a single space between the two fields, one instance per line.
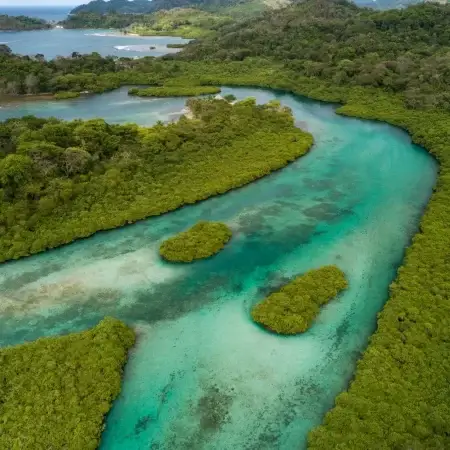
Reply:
x=202 y=375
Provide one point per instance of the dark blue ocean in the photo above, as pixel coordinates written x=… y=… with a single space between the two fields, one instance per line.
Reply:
x=49 y=13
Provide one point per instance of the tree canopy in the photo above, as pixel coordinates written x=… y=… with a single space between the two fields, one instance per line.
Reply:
x=63 y=180
x=293 y=308
x=22 y=23
x=401 y=51
x=174 y=91
x=201 y=241
x=56 y=391
x=183 y=22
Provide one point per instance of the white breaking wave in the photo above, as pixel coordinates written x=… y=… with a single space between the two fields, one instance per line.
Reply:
x=136 y=48
x=101 y=34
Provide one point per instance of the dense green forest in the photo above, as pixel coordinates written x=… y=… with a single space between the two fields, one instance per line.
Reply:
x=97 y=20
x=120 y=6
x=32 y=75
x=401 y=51
x=56 y=391
x=146 y=7
x=22 y=23
x=64 y=95
x=334 y=43
x=64 y=180
x=184 y=22
x=399 y=396
x=201 y=241
x=293 y=308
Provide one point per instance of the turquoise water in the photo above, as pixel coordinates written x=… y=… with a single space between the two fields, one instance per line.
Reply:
x=59 y=42
x=202 y=375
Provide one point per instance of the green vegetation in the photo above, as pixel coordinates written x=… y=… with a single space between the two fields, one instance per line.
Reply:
x=184 y=22
x=22 y=23
x=56 y=391
x=174 y=91
x=293 y=308
x=203 y=240
x=65 y=180
x=321 y=43
x=146 y=7
x=119 y=6
x=399 y=397
x=97 y=20
x=32 y=75
x=66 y=95
x=389 y=66
x=175 y=45
x=400 y=51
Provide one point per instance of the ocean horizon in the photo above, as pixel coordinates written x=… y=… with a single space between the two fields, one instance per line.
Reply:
x=49 y=13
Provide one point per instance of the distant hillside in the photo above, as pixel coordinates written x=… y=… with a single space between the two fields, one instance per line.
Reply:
x=21 y=23
x=118 y=6
x=145 y=7
x=98 y=20
x=400 y=50
x=184 y=22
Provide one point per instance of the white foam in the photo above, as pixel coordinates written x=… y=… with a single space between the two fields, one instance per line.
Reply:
x=138 y=48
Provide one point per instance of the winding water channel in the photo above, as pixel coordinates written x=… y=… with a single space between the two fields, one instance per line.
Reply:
x=202 y=375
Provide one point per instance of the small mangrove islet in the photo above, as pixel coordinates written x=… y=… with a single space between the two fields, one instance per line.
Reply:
x=294 y=307
x=203 y=240
x=65 y=95
x=174 y=91
x=56 y=391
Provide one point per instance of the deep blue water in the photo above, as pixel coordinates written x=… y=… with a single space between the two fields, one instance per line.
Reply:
x=202 y=375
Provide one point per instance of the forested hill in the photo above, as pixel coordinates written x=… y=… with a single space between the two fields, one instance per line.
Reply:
x=119 y=6
x=185 y=22
x=402 y=51
x=21 y=23
x=145 y=6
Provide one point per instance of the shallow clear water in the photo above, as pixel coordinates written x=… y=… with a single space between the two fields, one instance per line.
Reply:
x=59 y=42
x=202 y=375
